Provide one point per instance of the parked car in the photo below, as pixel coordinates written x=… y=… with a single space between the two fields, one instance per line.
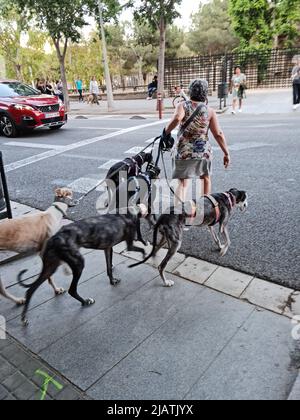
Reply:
x=25 y=108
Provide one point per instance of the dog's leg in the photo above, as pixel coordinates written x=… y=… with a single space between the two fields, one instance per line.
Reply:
x=132 y=248
x=215 y=237
x=57 y=290
x=225 y=247
x=7 y=295
x=139 y=233
x=109 y=264
x=172 y=251
x=76 y=262
x=50 y=265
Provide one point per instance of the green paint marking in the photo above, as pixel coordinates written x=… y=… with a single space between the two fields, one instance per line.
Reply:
x=47 y=380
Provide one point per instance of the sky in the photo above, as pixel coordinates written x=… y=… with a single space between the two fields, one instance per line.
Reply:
x=186 y=9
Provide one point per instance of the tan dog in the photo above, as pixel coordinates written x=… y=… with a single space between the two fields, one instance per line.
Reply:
x=30 y=233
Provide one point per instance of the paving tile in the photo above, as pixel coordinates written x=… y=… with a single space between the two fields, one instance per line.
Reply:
x=295 y=393
x=195 y=270
x=14 y=381
x=267 y=295
x=57 y=317
x=229 y=281
x=168 y=363
x=25 y=391
x=93 y=349
x=6 y=369
x=254 y=366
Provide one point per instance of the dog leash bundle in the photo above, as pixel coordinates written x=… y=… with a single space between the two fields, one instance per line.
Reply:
x=114 y=173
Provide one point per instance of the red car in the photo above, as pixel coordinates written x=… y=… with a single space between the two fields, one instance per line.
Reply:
x=25 y=108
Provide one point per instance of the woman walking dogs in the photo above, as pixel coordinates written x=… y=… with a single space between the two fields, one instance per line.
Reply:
x=194 y=151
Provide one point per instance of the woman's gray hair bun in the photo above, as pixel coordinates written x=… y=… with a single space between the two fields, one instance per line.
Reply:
x=199 y=90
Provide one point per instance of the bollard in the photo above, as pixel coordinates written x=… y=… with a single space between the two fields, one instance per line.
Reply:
x=4 y=195
x=160 y=105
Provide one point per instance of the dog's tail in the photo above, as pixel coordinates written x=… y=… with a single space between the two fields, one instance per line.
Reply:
x=21 y=281
x=153 y=253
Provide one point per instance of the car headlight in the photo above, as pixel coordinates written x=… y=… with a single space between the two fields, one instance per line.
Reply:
x=20 y=107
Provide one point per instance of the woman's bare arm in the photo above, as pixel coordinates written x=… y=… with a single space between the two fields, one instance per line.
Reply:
x=176 y=120
x=220 y=137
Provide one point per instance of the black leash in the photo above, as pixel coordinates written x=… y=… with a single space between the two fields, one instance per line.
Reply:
x=115 y=173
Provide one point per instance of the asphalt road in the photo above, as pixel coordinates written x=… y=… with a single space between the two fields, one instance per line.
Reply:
x=266 y=162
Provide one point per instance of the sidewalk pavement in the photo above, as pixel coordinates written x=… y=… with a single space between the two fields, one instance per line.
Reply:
x=217 y=334
x=263 y=101
x=133 y=107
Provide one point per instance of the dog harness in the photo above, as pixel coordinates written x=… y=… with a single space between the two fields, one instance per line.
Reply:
x=216 y=207
x=229 y=197
x=133 y=165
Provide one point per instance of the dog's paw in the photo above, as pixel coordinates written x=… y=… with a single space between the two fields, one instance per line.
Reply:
x=89 y=302
x=169 y=283
x=25 y=322
x=223 y=251
x=60 y=291
x=115 y=282
x=21 y=302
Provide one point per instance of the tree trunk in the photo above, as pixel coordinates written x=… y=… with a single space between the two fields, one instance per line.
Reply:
x=140 y=70
x=62 y=58
x=161 y=59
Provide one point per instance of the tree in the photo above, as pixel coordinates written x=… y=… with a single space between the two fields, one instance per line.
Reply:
x=174 y=41
x=12 y=25
x=211 y=31
x=63 y=21
x=286 y=14
x=159 y=14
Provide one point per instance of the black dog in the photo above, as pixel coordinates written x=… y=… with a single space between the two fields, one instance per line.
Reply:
x=208 y=211
x=132 y=166
x=137 y=190
x=102 y=232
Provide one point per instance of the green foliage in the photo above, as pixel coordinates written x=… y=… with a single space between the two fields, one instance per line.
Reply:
x=211 y=31
x=265 y=24
x=62 y=19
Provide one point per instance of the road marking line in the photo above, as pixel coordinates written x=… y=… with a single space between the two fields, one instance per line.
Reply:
x=109 y=164
x=100 y=128
x=52 y=153
x=136 y=150
x=83 y=185
x=34 y=145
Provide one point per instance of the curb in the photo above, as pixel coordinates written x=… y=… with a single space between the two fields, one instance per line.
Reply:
x=258 y=292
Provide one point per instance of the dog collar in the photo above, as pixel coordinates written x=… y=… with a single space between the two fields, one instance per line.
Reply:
x=60 y=210
x=230 y=199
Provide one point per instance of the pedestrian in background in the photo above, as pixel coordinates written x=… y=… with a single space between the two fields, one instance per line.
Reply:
x=41 y=86
x=152 y=88
x=49 y=88
x=238 y=89
x=94 y=90
x=59 y=89
x=79 y=87
x=296 y=84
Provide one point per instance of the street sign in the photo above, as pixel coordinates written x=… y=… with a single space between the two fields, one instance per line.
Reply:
x=5 y=208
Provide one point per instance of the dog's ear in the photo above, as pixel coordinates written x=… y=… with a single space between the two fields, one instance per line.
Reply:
x=63 y=193
x=58 y=192
x=240 y=196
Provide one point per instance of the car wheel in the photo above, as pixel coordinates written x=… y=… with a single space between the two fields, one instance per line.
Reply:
x=57 y=127
x=8 y=127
